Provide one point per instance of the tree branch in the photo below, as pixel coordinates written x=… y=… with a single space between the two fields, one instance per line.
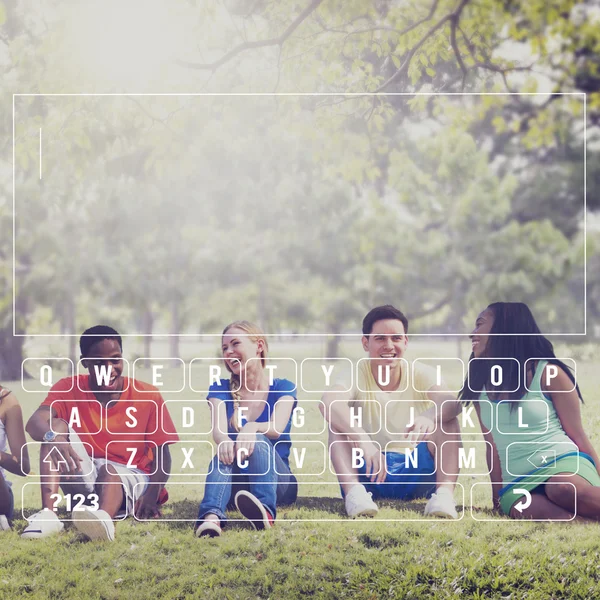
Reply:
x=374 y=28
x=406 y=63
x=454 y=20
x=428 y=311
x=278 y=41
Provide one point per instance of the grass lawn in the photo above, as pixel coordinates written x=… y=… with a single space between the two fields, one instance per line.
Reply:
x=314 y=549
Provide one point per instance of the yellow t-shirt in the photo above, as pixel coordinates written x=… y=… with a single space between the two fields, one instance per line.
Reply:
x=385 y=415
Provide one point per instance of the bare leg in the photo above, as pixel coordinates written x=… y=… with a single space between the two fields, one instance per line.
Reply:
x=341 y=459
x=5 y=496
x=574 y=494
x=50 y=480
x=541 y=507
x=449 y=460
x=110 y=496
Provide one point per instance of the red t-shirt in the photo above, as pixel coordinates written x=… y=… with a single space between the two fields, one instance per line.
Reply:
x=137 y=420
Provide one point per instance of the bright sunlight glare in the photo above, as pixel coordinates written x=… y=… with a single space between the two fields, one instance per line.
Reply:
x=127 y=44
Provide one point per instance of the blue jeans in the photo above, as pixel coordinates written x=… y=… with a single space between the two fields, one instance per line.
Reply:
x=269 y=479
x=404 y=482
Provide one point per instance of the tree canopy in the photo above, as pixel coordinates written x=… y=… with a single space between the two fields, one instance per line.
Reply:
x=296 y=163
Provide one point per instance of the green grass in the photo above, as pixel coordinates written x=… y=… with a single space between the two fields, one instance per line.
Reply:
x=313 y=550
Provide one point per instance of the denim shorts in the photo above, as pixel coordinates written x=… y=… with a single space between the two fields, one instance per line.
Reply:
x=403 y=480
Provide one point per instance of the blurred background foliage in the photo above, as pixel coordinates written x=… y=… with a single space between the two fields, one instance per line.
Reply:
x=418 y=153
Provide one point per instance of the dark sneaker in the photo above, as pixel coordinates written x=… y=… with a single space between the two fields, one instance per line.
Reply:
x=253 y=509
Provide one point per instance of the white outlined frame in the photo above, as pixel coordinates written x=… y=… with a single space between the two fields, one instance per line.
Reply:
x=451 y=391
x=486 y=445
x=404 y=366
x=298 y=444
x=217 y=362
x=511 y=520
x=139 y=488
x=491 y=360
x=524 y=430
x=197 y=473
x=461 y=417
x=300 y=431
x=244 y=470
x=389 y=448
x=63 y=494
x=100 y=412
x=72 y=375
x=272 y=362
x=533 y=476
x=81 y=370
x=185 y=404
x=137 y=456
x=580 y=95
x=131 y=404
x=335 y=383
x=565 y=360
x=416 y=416
x=58 y=444
x=160 y=388
x=361 y=407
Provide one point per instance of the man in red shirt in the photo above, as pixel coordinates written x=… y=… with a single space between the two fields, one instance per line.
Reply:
x=103 y=443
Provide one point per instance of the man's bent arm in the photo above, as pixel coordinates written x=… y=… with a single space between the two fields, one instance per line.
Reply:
x=338 y=414
x=39 y=423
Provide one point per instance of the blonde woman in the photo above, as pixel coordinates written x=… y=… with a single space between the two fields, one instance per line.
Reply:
x=12 y=435
x=250 y=412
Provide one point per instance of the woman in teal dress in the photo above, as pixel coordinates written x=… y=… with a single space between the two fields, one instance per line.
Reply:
x=542 y=464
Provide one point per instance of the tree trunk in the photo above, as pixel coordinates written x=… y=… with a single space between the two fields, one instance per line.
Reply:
x=69 y=328
x=11 y=346
x=459 y=347
x=261 y=309
x=147 y=328
x=333 y=342
x=11 y=356
x=175 y=330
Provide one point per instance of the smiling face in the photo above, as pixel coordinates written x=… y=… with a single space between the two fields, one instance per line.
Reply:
x=386 y=343
x=237 y=344
x=105 y=357
x=479 y=335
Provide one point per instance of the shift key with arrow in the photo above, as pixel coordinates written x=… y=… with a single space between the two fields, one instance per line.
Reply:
x=55 y=459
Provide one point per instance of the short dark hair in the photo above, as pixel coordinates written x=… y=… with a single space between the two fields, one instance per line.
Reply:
x=96 y=334
x=379 y=313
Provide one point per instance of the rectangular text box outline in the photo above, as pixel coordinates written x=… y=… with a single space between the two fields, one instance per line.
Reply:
x=582 y=95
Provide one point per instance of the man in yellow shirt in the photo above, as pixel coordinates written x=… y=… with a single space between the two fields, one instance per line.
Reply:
x=385 y=436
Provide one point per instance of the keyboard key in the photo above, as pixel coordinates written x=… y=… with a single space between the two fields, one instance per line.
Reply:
x=157 y=371
x=449 y=373
x=45 y=372
x=495 y=371
x=321 y=374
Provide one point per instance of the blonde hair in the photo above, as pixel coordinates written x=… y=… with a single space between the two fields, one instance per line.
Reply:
x=254 y=333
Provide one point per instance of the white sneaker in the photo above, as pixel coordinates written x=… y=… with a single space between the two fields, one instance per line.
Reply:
x=4 y=524
x=95 y=524
x=42 y=524
x=441 y=504
x=359 y=502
